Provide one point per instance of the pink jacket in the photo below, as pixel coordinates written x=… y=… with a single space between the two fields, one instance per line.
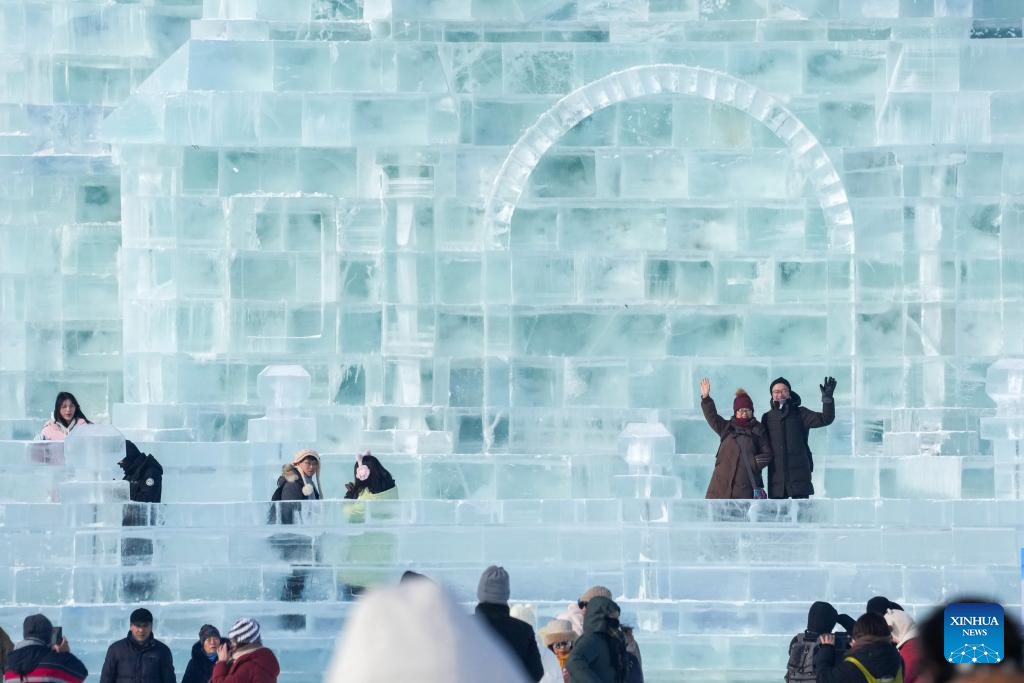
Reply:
x=55 y=431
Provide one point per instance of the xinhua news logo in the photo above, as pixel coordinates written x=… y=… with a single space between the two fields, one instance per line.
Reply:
x=973 y=633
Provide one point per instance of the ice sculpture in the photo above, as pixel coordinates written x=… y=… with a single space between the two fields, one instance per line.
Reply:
x=284 y=388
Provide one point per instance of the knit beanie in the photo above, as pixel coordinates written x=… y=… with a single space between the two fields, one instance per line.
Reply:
x=742 y=400
x=494 y=586
x=779 y=380
x=141 y=617
x=37 y=627
x=245 y=631
x=595 y=592
x=207 y=631
x=306 y=453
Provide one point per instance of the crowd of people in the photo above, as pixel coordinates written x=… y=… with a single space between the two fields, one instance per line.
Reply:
x=416 y=631
x=886 y=645
x=586 y=643
x=778 y=443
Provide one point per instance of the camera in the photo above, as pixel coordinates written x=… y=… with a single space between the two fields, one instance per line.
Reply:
x=57 y=636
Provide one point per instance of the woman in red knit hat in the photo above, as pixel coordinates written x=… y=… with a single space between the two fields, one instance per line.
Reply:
x=744 y=449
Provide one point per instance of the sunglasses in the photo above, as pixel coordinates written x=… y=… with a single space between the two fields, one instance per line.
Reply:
x=582 y=604
x=562 y=644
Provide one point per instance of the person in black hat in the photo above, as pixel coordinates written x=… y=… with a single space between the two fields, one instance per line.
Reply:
x=204 y=656
x=822 y=617
x=788 y=423
x=880 y=605
x=143 y=473
x=36 y=658
x=139 y=658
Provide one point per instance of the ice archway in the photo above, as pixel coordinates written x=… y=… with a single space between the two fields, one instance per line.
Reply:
x=808 y=156
x=655 y=79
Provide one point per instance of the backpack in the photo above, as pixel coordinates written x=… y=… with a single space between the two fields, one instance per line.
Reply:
x=800 y=668
x=867 y=674
x=272 y=511
x=801 y=656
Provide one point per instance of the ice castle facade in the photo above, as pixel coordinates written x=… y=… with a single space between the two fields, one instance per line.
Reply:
x=499 y=242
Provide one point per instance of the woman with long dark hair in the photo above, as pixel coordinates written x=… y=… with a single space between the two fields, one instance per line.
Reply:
x=372 y=551
x=67 y=415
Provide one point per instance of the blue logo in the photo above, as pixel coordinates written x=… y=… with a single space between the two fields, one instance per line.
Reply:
x=973 y=633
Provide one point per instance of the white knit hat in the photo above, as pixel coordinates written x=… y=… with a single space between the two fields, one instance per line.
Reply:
x=245 y=631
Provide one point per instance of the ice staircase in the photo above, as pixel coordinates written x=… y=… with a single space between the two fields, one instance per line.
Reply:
x=715 y=588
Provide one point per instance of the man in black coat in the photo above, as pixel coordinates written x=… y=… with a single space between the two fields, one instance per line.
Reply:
x=35 y=659
x=493 y=593
x=788 y=423
x=599 y=656
x=139 y=658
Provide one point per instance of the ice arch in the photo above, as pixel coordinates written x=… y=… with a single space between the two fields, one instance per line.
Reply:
x=655 y=79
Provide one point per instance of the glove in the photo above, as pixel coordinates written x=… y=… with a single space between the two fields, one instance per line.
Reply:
x=828 y=388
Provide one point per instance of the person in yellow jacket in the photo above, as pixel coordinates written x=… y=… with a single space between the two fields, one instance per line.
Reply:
x=373 y=550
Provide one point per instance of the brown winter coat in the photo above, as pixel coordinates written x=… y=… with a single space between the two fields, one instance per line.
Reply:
x=730 y=478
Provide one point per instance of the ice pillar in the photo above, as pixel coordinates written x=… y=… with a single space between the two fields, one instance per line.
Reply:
x=1004 y=383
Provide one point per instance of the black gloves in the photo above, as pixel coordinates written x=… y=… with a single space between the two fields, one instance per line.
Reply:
x=827 y=388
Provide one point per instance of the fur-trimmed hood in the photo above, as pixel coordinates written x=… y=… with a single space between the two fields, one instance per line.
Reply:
x=289 y=472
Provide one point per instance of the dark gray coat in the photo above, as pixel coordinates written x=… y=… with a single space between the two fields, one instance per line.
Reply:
x=516 y=634
x=599 y=656
x=129 y=661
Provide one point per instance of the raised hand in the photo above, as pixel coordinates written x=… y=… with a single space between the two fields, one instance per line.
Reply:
x=222 y=652
x=705 y=388
x=828 y=388
x=827 y=639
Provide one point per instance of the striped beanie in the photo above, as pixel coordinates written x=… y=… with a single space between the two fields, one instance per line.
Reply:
x=245 y=631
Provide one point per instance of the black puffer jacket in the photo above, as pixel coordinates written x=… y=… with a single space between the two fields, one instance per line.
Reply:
x=289 y=491
x=200 y=667
x=598 y=656
x=129 y=661
x=880 y=658
x=789 y=474
x=31 y=658
x=518 y=635
x=143 y=473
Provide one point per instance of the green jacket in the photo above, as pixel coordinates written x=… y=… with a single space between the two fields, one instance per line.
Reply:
x=598 y=656
x=356 y=512
x=371 y=554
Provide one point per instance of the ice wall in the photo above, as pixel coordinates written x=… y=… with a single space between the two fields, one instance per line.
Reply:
x=64 y=65
x=497 y=234
x=309 y=183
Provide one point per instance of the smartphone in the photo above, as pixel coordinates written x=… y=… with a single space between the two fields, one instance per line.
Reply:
x=57 y=637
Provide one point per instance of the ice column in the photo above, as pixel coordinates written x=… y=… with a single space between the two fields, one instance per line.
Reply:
x=1004 y=383
x=648 y=449
x=92 y=452
x=283 y=389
